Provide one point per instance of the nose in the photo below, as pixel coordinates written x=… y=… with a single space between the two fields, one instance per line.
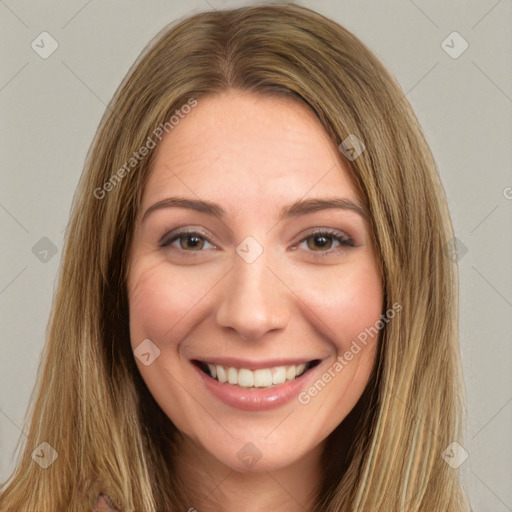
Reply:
x=254 y=300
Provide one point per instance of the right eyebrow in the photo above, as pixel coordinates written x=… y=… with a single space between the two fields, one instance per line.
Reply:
x=182 y=202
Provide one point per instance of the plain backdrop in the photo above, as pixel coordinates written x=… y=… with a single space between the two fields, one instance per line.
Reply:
x=51 y=107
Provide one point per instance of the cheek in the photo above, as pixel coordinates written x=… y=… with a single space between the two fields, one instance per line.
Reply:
x=345 y=308
x=346 y=302
x=159 y=300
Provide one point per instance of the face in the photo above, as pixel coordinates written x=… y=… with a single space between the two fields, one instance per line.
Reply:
x=251 y=275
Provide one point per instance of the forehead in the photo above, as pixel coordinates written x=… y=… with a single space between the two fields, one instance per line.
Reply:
x=240 y=146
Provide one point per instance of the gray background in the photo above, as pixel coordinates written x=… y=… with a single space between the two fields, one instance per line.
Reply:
x=51 y=108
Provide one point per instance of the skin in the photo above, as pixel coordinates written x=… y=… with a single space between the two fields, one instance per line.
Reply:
x=199 y=298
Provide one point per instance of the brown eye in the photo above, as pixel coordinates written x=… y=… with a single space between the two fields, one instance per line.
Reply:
x=189 y=241
x=319 y=241
x=324 y=242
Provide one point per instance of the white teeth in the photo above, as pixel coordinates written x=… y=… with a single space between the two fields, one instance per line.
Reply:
x=299 y=369
x=213 y=370
x=261 y=378
x=245 y=378
x=279 y=376
x=232 y=376
x=221 y=373
x=290 y=373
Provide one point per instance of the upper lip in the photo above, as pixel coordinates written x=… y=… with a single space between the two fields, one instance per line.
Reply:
x=254 y=364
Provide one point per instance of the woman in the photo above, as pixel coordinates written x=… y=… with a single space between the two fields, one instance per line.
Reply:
x=255 y=309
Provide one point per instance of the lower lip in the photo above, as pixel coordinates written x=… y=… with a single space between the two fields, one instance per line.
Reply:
x=255 y=399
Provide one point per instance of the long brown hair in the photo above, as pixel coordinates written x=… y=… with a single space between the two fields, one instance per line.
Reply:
x=90 y=403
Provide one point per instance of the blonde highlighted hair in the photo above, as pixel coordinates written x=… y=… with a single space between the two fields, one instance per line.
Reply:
x=90 y=403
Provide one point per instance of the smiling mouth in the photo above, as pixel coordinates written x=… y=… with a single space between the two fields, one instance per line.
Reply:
x=260 y=378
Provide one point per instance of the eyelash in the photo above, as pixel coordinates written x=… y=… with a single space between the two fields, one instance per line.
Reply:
x=343 y=240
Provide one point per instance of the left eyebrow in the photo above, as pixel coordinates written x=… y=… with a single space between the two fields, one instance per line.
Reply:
x=315 y=205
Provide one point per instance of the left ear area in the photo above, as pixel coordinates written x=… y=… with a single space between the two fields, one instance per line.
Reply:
x=102 y=503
